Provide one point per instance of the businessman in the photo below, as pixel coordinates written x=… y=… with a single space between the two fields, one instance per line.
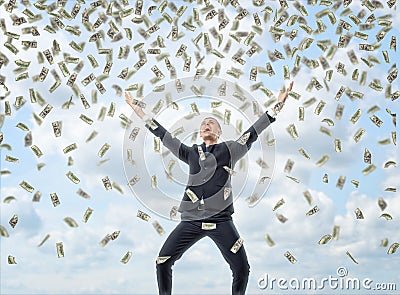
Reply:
x=207 y=203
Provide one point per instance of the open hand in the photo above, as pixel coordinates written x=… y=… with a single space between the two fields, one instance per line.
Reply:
x=283 y=95
x=137 y=109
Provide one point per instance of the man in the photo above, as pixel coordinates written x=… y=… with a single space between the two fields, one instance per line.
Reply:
x=207 y=204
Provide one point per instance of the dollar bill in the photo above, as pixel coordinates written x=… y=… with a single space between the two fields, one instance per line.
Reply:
x=158 y=227
x=202 y=155
x=301 y=113
x=115 y=235
x=384 y=141
x=291 y=129
x=71 y=222
x=312 y=211
x=26 y=186
x=253 y=74
x=393 y=248
x=106 y=183
x=48 y=56
x=22 y=126
x=83 y=194
x=143 y=215
x=45 y=111
x=251 y=201
x=154 y=181
x=86 y=119
x=244 y=138
x=103 y=150
x=367 y=156
x=44 y=240
x=91 y=136
x=37 y=196
x=162 y=259
x=281 y=218
x=308 y=197
x=338 y=145
x=325 y=239
x=70 y=148
x=389 y=163
x=105 y=240
x=340 y=182
x=278 y=204
x=328 y=121
x=195 y=109
x=237 y=245
x=351 y=257
x=8 y=199
x=359 y=214
x=293 y=178
x=359 y=133
x=87 y=214
x=13 y=221
x=325 y=178
x=392 y=41
x=227 y=192
x=4 y=232
x=392 y=75
x=387 y=216
x=125 y=259
x=381 y=203
x=288 y=166
x=229 y=170
x=71 y=176
x=193 y=197
x=319 y=107
x=11 y=260
x=335 y=234
x=84 y=101
x=260 y=162
x=54 y=199
x=322 y=161
x=173 y=212
x=60 y=249
x=384 y=242
x=56 y=128
x=208 y=226
x=11 y=159
x=368 y=169
x=290 y=257
x=269 y=240
x=339 y=111
x=134 y=180
x=304 y=153
x=378 y=122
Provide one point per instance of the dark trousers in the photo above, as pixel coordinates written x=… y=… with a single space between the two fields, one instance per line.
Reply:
x=185 y=235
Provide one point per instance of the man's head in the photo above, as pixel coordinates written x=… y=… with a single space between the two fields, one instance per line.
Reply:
x=210 y=129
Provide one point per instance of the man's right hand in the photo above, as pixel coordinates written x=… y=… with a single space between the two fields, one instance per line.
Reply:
x=137 y=109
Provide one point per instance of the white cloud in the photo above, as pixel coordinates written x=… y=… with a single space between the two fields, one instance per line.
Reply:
x=89 y=268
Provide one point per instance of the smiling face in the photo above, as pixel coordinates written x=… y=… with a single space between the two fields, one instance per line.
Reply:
x=210 y=130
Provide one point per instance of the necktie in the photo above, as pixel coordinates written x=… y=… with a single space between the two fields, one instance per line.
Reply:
x=208 y=149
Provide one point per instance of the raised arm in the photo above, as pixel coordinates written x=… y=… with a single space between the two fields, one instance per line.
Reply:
x=179 y=149
x=243 y=144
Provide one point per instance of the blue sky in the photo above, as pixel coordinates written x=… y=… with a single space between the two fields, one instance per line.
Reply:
x=89 y=268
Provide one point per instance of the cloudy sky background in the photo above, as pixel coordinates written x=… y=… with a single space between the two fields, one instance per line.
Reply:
x=89 y=268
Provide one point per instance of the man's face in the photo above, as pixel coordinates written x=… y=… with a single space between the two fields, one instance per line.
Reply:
x=210 y=129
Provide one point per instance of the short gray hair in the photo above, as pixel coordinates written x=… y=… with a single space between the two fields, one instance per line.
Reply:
x=219 y=125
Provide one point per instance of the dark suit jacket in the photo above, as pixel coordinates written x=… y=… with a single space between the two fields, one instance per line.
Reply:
x=208 y=178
